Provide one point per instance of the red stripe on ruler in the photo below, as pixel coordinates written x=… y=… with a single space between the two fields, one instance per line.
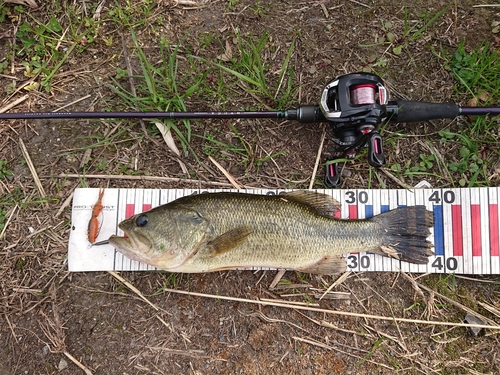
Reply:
x=353 y=212
x=129 y=210
x=146 y=207
x=494 y=229
x=456 y=223
x=475 y=217
x=337 y=214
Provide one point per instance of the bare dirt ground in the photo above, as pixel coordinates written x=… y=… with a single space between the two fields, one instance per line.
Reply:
x=48 y=314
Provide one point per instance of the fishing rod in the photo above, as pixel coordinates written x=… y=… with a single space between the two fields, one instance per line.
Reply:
x=353 y=104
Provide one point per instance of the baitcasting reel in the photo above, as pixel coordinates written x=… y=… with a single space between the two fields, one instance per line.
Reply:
x=354 y=105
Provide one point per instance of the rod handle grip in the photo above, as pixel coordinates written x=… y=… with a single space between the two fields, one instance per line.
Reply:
x=416 y=111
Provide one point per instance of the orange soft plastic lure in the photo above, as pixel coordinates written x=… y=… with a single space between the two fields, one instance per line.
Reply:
x=94 y=225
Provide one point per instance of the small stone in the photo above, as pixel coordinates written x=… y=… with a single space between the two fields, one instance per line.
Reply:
x=471 y=319
x=62 y=364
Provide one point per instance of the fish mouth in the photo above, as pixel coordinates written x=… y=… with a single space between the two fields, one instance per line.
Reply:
x=135 y=247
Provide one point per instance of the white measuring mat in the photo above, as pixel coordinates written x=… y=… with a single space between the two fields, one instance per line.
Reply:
x=465 y=232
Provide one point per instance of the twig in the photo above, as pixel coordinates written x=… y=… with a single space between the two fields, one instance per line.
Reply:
x=336 y=283
x=14 y=103
x=141 y=296
x=395 y=179
x=318 y=156
x=133 y=289
x=491 y=309
x=231 y=179
x=333 y=312
x=459 y=305
x=277 y=279
x=7 y=222
x=26 y=156
x=78 y=363
x=73 y=102
x=294 y=303
x=188 y=352
x=65 y=204
x=363 y=5
x=147 y=178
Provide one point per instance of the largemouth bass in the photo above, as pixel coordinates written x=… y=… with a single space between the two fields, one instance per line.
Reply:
x=293 y=231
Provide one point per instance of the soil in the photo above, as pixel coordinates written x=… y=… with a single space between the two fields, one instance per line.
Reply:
x=47 y=314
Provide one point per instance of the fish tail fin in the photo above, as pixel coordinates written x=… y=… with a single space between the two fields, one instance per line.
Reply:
x=404 y=234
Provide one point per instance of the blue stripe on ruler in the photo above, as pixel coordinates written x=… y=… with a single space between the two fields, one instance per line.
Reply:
x=438 y=230
x=368 y=211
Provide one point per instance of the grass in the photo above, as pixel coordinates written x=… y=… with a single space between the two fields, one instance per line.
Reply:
x=45 y=45
x=399 y=40
x=161 y=87
x=465 y=153
x=250 y=67
x=477 y=138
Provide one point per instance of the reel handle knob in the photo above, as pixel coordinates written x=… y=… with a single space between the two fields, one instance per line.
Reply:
x=332 y=177
x=376 y=156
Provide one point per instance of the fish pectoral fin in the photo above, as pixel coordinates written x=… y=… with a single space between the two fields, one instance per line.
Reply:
x=328 y=265
x=229 y=240
x=322 y=204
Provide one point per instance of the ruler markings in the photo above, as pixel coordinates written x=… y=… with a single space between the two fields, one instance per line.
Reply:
x=365 y=203
x=466 y=233
x=410 y=201
x=438 y=230
x=456 y=219
x=485 y=238
x=449 y=245
x=420 y=201
x=493 y=228
x=376 y=207
x=393 y=204
x=147 y=204
x=475 y=219
x=354 y=259
x=385 y=200
x=430 y=207
x=118 y=220
x=138 y=197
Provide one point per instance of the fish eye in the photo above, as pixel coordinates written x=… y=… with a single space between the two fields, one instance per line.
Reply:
x=141 y=220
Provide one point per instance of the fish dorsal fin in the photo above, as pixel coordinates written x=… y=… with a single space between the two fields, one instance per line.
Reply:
x=229 y=240
x=322 y=204
x=328 y=265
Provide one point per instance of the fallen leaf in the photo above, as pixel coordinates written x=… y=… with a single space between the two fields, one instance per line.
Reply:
x=397 y=50
x=228 y=54
x=169 y=140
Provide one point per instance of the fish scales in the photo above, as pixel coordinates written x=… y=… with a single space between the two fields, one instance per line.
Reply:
x=296 y=231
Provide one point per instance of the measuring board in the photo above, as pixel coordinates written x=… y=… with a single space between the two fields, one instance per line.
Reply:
x=465 y=233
